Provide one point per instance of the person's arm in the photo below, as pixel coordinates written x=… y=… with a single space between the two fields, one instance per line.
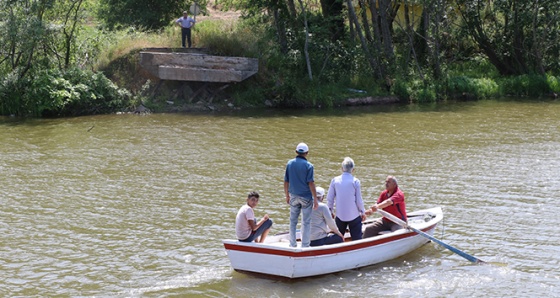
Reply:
x=286 y=191
x=178 y=23
x=314 y=194
x=331 y=223
x=359 y=200
x=254 y=226
x=330 y=197
x=382 y=205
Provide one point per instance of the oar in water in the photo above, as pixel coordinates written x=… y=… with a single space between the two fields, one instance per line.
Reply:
x=451 y=248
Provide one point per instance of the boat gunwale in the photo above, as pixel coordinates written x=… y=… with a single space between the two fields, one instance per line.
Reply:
x=349 y=246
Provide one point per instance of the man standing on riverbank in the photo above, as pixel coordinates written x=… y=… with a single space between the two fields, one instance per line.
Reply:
x=299 y=187
x=186 y=23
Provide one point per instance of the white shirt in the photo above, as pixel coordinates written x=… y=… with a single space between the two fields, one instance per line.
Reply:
x=242 y=228
x=186 y=22
x=321 y=222
x=347 y=191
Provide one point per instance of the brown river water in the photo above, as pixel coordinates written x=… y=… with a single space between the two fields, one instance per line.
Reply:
x=137 y=205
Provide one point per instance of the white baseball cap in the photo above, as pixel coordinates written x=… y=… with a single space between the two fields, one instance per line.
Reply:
x=320 y=191
x=302 y=148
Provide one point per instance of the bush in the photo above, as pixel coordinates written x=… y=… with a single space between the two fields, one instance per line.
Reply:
x=402 y=90
x=526 y=85
x=62 y=93
x=11 y=96
x=463 y=87
x=553 y=83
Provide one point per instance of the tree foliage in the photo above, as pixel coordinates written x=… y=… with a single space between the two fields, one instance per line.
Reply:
x=413 y=39
x=41 y=44
x=149 y=14
x=518 y=36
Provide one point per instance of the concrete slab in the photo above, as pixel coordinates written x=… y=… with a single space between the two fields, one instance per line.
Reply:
x=189 y=66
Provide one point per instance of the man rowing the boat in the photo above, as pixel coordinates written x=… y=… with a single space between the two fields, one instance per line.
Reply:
x=390 y=200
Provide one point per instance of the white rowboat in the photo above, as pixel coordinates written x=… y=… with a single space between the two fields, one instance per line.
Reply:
x=275 y=257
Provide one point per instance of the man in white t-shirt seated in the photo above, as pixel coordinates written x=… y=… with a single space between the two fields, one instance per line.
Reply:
x=246 y=227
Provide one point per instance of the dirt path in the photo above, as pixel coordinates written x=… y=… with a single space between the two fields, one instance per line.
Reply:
x=214 y=13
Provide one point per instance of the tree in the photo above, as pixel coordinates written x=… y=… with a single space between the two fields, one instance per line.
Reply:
x=517 y=36
x=38 y=70
x=149 y=14
x=332 y=12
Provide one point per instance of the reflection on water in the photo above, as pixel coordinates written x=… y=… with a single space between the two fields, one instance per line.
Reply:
x=128 y=205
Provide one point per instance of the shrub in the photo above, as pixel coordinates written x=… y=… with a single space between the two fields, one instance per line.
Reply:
x=402 y=90
x=463 y=87
x=526 y=85
x=553 y=83
x=62 y=93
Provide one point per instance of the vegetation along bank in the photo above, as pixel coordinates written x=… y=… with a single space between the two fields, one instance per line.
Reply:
x=80 y=57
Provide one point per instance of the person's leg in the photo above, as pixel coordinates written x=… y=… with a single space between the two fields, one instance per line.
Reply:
x=373 y=229
x=189 y=36
x=295 y=209
x=395 y=227
x=263 y=230
x=355 y=227
x=332 y=239
x=317 y=242
x=250 y=238
x=307 y=209
x=341 y=225
x=183 y=36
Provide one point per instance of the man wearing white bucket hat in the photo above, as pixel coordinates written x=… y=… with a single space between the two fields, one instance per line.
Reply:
x=299 y=188
x=323 y=227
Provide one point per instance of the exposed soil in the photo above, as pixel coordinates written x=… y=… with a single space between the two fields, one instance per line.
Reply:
x=214 y=12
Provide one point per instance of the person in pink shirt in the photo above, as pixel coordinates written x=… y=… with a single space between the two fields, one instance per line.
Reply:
x=246 y=227
x=392 y=201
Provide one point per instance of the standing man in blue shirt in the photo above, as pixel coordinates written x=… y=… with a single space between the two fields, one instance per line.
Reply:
x=299 y=187
x=186 y=23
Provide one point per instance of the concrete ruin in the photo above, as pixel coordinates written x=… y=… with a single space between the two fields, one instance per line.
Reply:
x=195 y=66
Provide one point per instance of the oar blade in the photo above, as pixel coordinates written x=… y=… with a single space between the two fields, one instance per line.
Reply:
x=434 y=239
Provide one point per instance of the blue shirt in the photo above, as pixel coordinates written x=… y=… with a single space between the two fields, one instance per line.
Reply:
x=299 y=172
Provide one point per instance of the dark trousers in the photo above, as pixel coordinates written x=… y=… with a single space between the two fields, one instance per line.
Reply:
x=355 y=227
x=186 y=33
x=330 y=239
x=379 y=225
x=255 y=234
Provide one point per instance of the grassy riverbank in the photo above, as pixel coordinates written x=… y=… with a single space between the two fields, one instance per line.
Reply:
x=95 y=69
x=283 y=82
x=279 y=86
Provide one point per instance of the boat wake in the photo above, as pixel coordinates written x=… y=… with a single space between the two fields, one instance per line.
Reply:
x=200 y=277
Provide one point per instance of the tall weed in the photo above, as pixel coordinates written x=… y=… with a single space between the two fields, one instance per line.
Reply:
x=526 y=85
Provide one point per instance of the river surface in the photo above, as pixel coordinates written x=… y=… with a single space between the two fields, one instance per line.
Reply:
x=137 y=205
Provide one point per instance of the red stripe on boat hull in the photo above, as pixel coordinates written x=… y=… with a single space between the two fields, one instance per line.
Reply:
x=326 y=251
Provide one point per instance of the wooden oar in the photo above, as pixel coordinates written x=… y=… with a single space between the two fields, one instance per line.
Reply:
x=451 y=248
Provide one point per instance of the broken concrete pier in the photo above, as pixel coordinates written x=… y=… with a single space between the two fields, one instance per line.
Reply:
x=170 y=64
